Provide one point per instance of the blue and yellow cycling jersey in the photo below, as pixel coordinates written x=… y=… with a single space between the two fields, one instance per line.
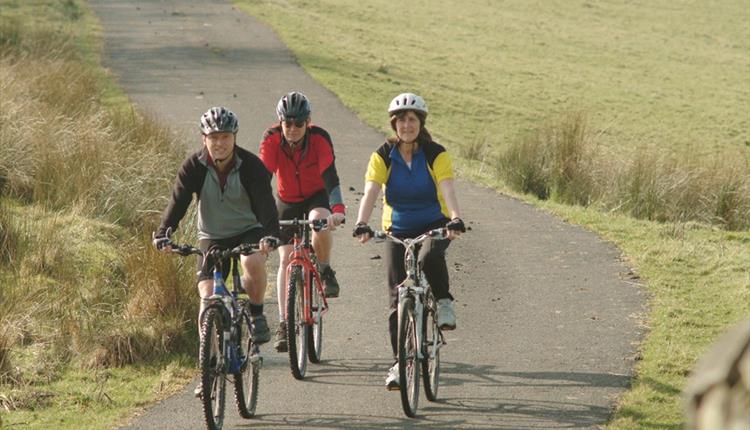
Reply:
x=411 y=195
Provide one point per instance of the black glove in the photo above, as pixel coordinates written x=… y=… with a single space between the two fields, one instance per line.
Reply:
x=361 y=229
x=273 y=241
x=456 y=224
x=161 y=239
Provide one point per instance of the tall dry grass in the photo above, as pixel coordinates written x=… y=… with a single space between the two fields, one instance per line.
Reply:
x=87 y=184
x=562 y=161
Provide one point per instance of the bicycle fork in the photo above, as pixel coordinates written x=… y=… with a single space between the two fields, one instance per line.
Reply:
x=417 y=293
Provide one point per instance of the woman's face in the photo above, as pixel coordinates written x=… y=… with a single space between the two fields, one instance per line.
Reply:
x=294 y=131
x=407 y=126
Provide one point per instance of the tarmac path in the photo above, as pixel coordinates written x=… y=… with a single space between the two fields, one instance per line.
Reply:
x=547 y=321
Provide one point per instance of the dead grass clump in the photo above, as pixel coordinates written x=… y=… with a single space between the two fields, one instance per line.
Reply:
x=555 y=162
x=562 y=162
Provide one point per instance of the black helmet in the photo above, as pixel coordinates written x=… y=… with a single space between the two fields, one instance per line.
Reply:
x=293 y=106
x=219 y=120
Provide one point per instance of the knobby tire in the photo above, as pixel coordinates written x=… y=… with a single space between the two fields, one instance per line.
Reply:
x=431 y=338
x=246 y=382
x=213 y=378
x=315 y=331
x=295 y=326
x=408 y=362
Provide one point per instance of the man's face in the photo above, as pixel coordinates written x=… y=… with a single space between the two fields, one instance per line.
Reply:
x=294 y=130
x=220 y=145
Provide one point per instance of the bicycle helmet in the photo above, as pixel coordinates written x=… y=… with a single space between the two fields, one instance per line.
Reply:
x=293 y=106
x=219 y=120
x=407 y=101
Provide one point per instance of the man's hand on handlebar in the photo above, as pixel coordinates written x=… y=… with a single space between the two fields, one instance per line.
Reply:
x=268 y=244
x=162 y=241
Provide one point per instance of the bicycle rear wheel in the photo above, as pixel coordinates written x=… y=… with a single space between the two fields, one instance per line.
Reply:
x=315 y=331
x=246 y=382
x=295 y=324
x=408 y=361
x=432 y=342
x=213 y=379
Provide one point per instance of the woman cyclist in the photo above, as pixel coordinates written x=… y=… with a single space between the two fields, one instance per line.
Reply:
x=416 y=175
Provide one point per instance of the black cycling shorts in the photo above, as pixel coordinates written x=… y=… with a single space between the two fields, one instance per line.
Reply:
x=299 y=210
x=250 y=236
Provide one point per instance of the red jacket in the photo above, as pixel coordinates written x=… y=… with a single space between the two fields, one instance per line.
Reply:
x=305 y=171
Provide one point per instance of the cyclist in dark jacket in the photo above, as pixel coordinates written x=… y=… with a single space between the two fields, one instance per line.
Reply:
x=301 y=156
x=235 y=206
x=416 y=175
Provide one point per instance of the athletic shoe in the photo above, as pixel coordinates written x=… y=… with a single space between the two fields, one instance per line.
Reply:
x=446 y=318
x=331 y=284
x=280 y=343
x=261 y=332
x=391 y=381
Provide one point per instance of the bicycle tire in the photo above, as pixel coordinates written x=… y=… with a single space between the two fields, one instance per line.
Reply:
x=246 y=382
x=295 y=324
x=315 y=331
x=213 y=378
x=408 y=361
x=430 y=351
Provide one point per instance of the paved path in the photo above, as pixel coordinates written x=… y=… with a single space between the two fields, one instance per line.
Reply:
x=546 y=325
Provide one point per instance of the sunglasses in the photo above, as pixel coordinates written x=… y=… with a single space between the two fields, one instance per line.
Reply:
x=297 y=123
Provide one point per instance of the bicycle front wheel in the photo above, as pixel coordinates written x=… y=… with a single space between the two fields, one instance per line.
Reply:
x=246 y=382
x=295 y=324
x=315 y=331
x=213 y=379
x=431 y=343
x=408 y=360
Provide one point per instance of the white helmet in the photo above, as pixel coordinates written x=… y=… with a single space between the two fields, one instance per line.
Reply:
x=407 y=101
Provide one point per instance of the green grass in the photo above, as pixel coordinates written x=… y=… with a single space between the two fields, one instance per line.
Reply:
x=97 y=399
x=664 y=88
x=649 y=73
x=94 y=323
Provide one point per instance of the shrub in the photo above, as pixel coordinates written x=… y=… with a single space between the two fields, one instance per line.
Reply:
x=562 y=161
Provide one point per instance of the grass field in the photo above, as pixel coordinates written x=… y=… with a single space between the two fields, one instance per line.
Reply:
x=654 y=80
x=649 y=73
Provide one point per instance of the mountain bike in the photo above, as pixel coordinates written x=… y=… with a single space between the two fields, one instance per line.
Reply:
x=305 y=300
x=419 y=336
x=226 y=345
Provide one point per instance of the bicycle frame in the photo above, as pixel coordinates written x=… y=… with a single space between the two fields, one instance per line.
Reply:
x=415 y=285
x=227 y=301
x=303 y=256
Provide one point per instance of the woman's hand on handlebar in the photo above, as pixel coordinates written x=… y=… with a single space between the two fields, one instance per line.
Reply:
x=335 y=219
x=362 y=232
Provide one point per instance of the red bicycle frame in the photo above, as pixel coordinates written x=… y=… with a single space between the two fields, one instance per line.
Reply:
x=302 y=256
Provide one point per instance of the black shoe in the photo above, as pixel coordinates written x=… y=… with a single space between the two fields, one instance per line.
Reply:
x=261 y=332
x=328 y=276
x=280 y=343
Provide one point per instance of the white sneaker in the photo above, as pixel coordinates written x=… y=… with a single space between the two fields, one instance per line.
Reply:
x=446 y=318
x=391 y=381
x=198 y=392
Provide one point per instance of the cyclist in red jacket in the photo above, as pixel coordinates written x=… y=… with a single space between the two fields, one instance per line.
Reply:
x=301 y=156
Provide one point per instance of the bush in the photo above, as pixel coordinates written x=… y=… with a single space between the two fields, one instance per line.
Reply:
x=561 y=161
x=86 y=180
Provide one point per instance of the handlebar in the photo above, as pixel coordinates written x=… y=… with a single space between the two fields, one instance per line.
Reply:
x=316 y=224
x=438 y=234
x=217 y=253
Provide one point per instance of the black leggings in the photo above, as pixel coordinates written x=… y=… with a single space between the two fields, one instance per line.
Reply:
x=431 y=259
